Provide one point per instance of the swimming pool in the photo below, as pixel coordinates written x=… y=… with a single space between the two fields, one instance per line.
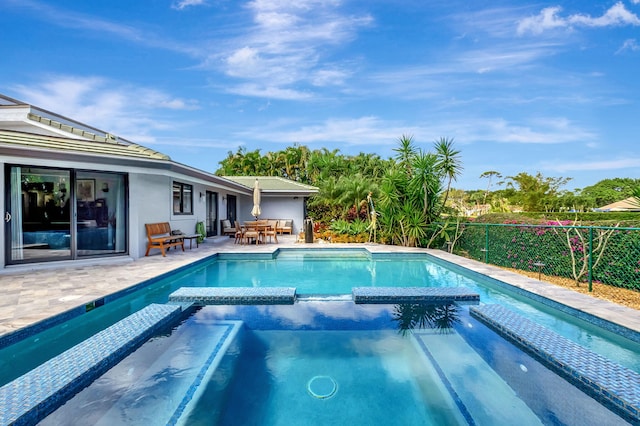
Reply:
x=330 y=362
x=303 y=269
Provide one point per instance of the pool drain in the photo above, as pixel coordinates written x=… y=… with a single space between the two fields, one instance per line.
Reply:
x=322 y=387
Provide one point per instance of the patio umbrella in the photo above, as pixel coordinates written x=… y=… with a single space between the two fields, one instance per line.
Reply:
x=255 y=212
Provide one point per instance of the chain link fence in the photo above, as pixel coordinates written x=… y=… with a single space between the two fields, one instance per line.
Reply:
x=586 y=254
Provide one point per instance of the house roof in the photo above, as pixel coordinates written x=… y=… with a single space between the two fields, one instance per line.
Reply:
x=30 y=131
x=627 y=205
x=274 y=184
x=25 y=125
x=32 y=141
x=20 y=116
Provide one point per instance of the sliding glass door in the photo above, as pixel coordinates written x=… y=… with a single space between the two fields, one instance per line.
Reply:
x=100 y=213
x=212 y=214
x=38 y=214
x=61 y=214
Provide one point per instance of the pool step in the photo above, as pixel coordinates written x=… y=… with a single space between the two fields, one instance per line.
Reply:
x=481 y=395
x=386 y=295
x=615 y=386
x=235 y=295
x=33 y=396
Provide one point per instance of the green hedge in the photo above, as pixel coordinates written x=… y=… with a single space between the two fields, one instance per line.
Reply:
x=548 y=249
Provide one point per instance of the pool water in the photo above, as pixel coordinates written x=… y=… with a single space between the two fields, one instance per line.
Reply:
x=329 y=362
x=312 y=272
x=284 y=340
x=331 y=272
x=319 y=274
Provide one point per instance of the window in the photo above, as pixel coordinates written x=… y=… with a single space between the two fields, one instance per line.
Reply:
x=182 y=198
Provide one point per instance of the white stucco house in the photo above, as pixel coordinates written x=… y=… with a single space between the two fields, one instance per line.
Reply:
x=74 y=192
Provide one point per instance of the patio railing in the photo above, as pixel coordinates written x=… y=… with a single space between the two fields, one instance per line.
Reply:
x=586 y=254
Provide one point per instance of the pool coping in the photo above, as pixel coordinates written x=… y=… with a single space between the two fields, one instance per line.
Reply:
x=235 y=295
x=392 y=295
x=614 y=386
x=36 y=394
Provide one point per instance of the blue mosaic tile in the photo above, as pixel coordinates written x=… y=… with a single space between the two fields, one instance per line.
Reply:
x=248 y=256
x=235 y=295
x=31 y=397
x=385 y=295
x=617 y=387
x=210 y=363
x=399 y=255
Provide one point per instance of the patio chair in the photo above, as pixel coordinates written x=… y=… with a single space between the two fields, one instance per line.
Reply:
x=239 y=233
x=250 y=233
x=227 y=229
x=271 y=230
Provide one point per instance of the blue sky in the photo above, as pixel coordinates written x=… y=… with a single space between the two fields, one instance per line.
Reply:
x=550 y=87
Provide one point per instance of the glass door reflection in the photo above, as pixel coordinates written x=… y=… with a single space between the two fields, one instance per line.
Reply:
x=38 y=214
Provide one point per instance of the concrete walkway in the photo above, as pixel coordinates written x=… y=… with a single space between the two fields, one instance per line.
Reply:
x=34 y=293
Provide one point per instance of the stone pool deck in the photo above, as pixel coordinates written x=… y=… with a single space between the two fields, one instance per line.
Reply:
x=31 y=294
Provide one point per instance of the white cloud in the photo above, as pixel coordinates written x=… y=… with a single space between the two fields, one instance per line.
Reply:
x=546 y=131
x=617 y=15
x=629 y=44
x=501 y=57
x=549 y=19
x=545 y=20
x=350 y=131
x=128 y=111
x=70 y=19
x=286 y=47
x=183 y=4
x=615 y=165
x=97 y=26
x=372 y=130
x=329 y=77
x=267 y=91
x=243 y=62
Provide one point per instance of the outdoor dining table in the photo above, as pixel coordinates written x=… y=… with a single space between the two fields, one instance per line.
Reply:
x=260 y=228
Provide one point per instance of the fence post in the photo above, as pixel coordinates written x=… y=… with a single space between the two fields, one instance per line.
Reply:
x=590 y=259
x=486 y=243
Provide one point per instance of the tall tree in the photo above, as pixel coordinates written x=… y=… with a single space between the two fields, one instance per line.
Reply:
x=609 y=191
x=424 y=184
x=405 y=152
x=489 y=175
x=448 y=162
x=535 y=193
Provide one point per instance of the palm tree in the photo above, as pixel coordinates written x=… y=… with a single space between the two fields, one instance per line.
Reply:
x=411 y=316
x=355 y=190
x=448 y=162
x=393 y=195
x=406 y=152
x=425 y=184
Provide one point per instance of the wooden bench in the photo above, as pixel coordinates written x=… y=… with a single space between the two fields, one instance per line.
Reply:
x=159 y=236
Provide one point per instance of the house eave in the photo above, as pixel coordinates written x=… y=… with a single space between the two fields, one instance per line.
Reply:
x=114 y=160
